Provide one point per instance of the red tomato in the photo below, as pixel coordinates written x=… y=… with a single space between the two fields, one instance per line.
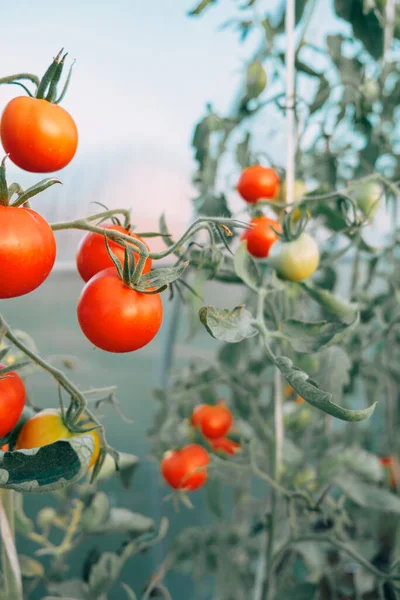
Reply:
x=116 y=318
x=93 y=257
x=261 y=237
x=4 y=448
x=213 y=421
x=39 y=136
x=257 y=182
x=182 y=469
x=12 y=400
x=224 y=444
x=27 y=251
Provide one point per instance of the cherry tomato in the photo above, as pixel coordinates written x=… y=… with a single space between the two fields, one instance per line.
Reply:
x=296 y=260
x=39 y=136
x=257 y=182
x=47 y=427
x=225 y=445
x=368 y=196
x=92 y=256
x=214 y=421
x=4 y=448
x=116 y=318
x=261 y=236
x=289 y=391
x=185 y=469
x=27 y=251
x=12 y=400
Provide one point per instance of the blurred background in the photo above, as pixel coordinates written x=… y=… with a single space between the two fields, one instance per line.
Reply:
x=144 y=73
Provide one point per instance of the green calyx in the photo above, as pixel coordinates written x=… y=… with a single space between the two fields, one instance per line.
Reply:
x=7 y=192
x=46 y=88
x=292 y=228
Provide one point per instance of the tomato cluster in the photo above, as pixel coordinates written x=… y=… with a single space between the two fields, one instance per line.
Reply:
x=214 y=422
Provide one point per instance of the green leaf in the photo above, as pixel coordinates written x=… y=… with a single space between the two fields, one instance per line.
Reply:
x=366 y=495
x=71 y=589
x=334 y=43
x=245 y=267
x=165 y=231
x=127 y=465
x=48 y=468
x=212 y=205
x=30 y=568
x=339 y=459
x=316 y=397
x=39 y=187
x=201 y=7
x=122 y=520
x=213 y=492
x=366 y=26
x=243 y=151
x=302 y=591
x=96 y=513
x=321 y=96
x=340 y=308
x=334 y=370
x=227 y=326
x=256 y=79
x=310 y=337
x=160 y=278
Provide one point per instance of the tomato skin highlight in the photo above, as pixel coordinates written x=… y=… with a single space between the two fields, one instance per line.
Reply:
x=92 y=256
x=182 y=470
x=225 y=445
x=12 y=400
x=116 y=318
x=296 y=260
x=260 y=237
x=27 y=251
x=47 y=427
x=40 y=137
x=257 y=182
x=213 y=421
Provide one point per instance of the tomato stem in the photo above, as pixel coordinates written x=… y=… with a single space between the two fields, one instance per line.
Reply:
x=14 y=78
x=54 y=82
x=4 y=197
x=48 y=76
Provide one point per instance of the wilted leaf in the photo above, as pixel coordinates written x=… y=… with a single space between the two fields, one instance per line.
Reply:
x=245 y=267
x=311 y=337
x=48 y=468
x=315 y=396
x=227 y=326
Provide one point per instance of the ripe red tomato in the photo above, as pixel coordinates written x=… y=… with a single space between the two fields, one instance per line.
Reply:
x=224 y=444
x=47 y=427
x=27 y=251
x=213 y=421
x=39 y=136
x=182 y=469
x=116 y=318
x=12 y=400
x=261 y=237
x=92 y=255
x=257 y=182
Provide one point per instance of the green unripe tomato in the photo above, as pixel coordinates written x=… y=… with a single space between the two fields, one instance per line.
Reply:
x=368 y=197
x=296 y=260
x=371 y=90
x=256 y=79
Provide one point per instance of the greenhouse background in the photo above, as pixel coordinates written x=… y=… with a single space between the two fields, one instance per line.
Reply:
x=152 y=72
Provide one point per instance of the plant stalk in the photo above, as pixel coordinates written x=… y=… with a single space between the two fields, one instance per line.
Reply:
x=9 y=558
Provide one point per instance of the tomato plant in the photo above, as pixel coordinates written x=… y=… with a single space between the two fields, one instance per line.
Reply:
x=115 y=317
x=92 y=255
x=257 y=183
x=185 y=469
x=12 y=400
x=213 y=421
x=261 y=236
x=47 y=427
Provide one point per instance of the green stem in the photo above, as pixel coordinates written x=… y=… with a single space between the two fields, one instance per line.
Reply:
x=12 y=78
x=9 y=558
x=278 y=421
